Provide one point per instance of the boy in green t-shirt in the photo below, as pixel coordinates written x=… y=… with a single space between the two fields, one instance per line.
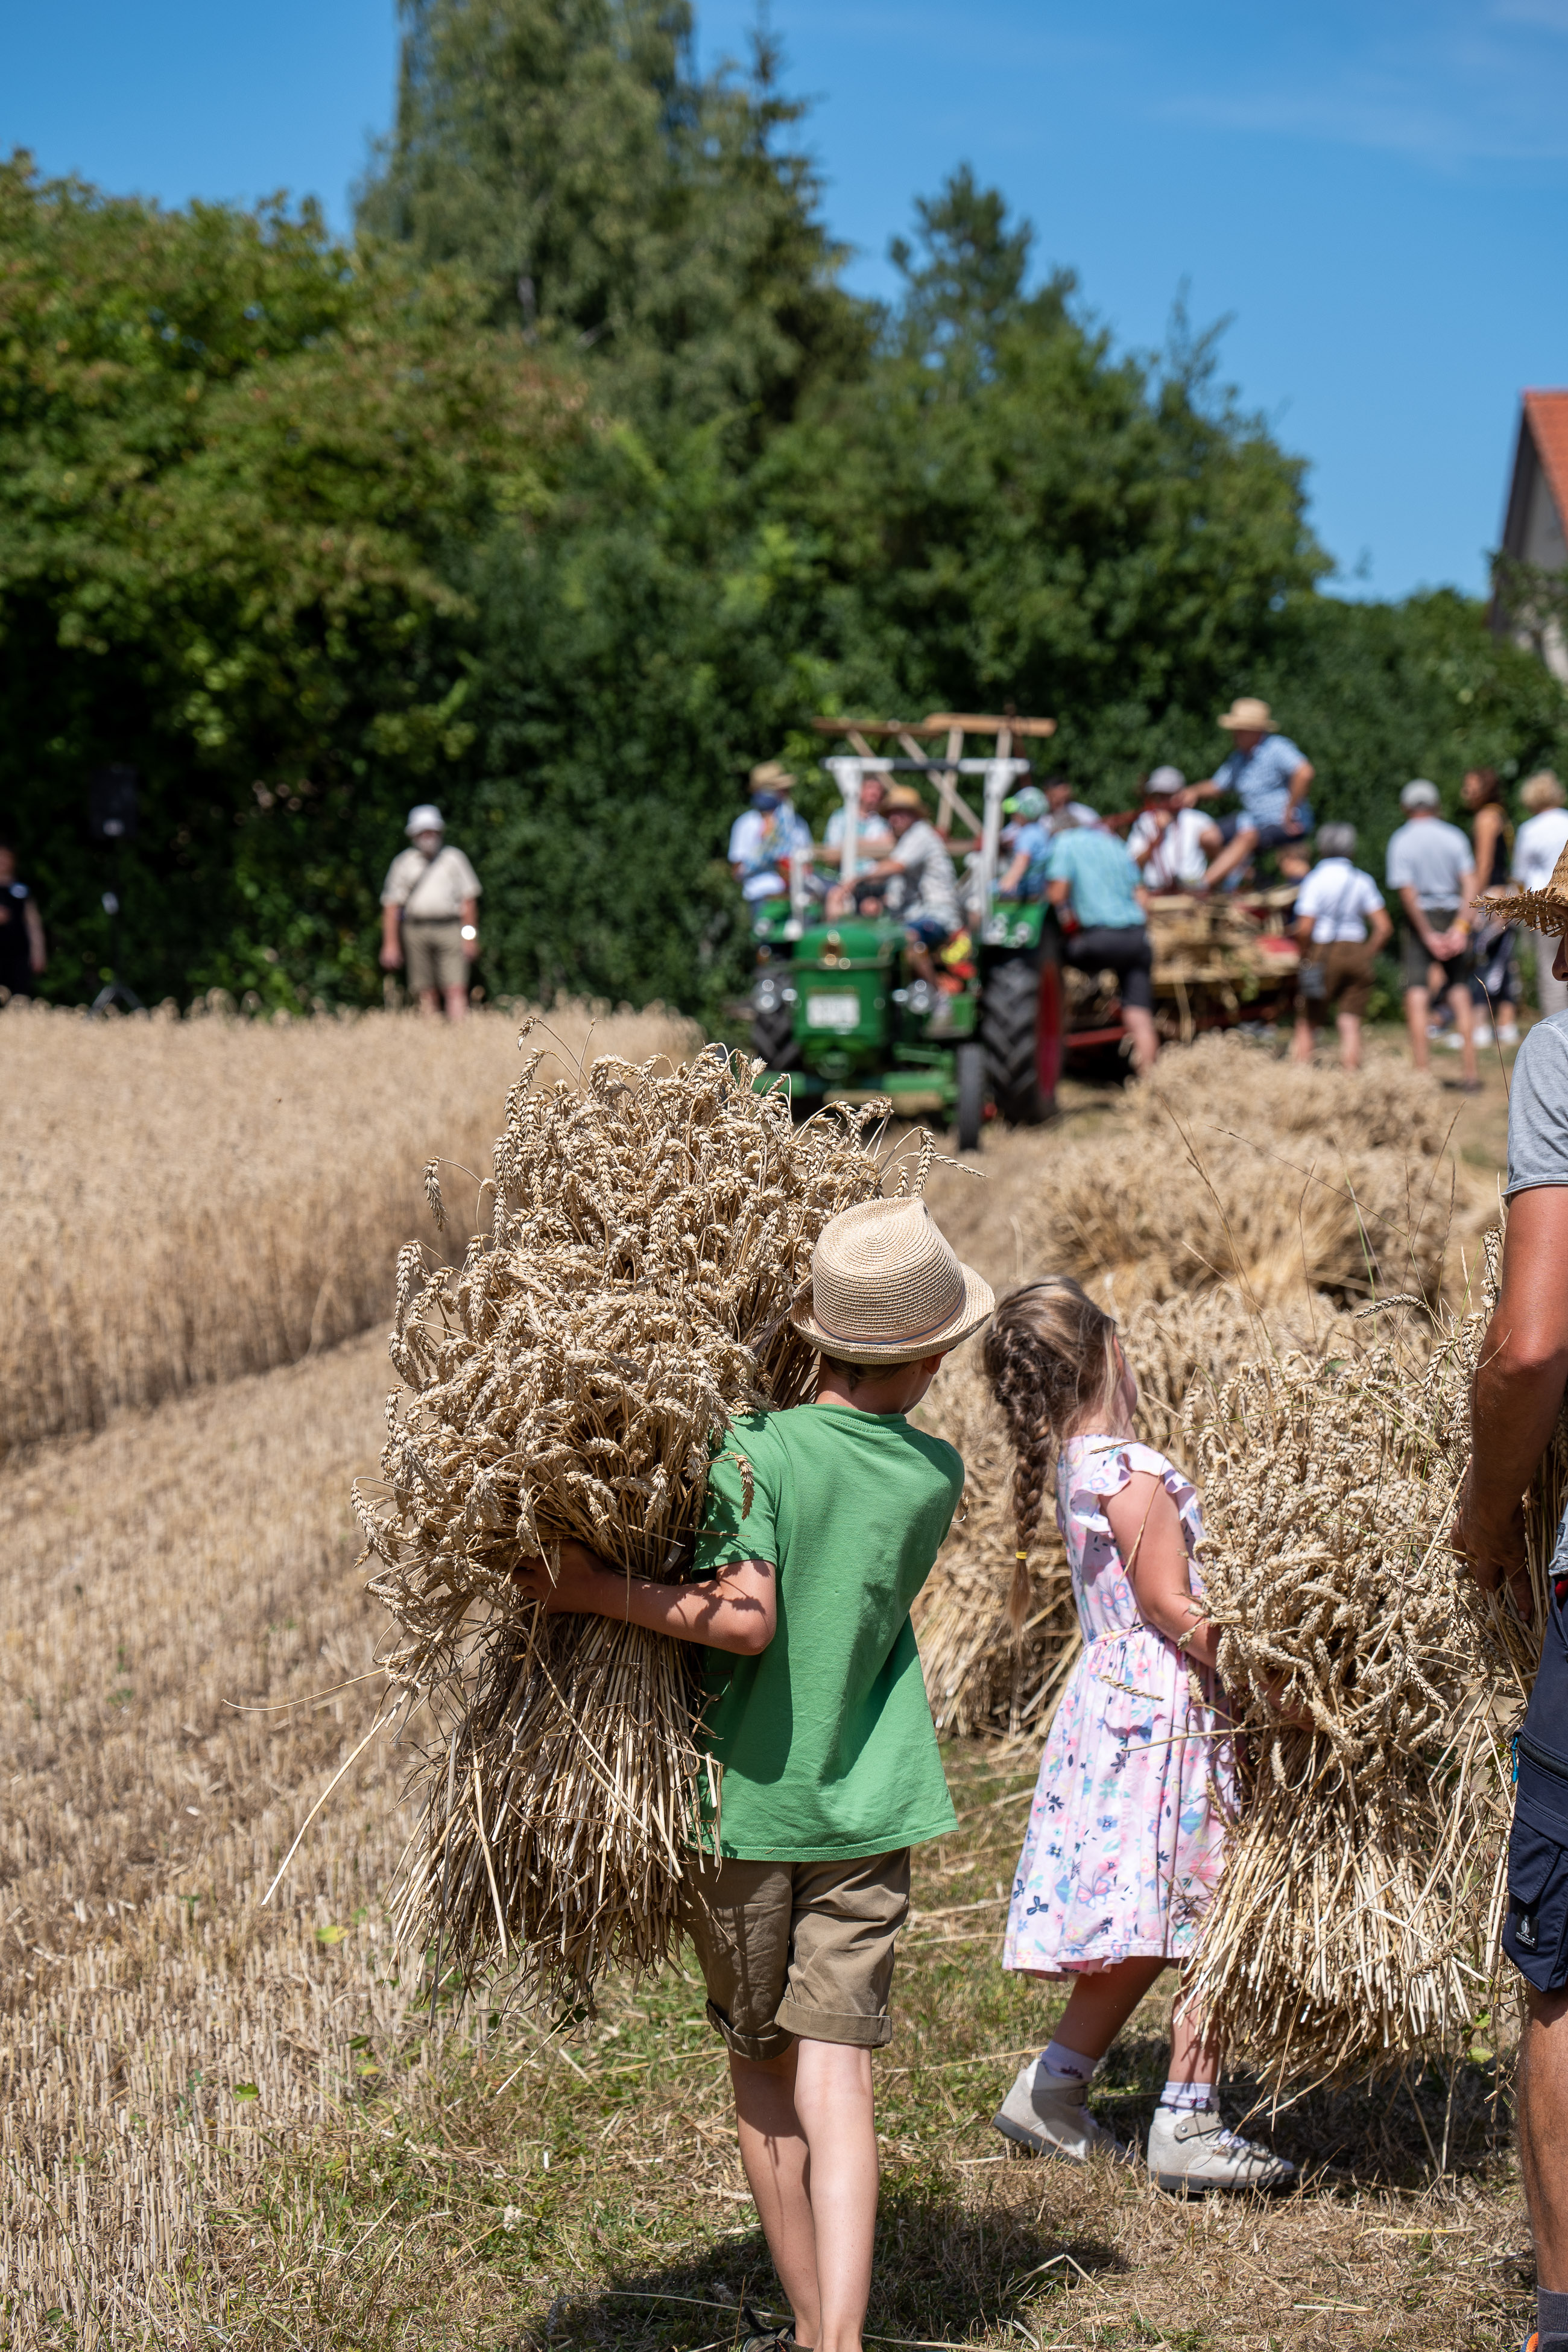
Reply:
x=817 y=1713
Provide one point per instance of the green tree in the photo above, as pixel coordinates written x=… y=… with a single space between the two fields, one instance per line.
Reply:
x=236 y=461
x=616 y=204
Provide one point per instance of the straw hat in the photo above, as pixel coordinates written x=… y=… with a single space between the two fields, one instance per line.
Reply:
x=886 y=1288
x=1246 y=712
x=903 y=797
x=1542 y=911
x=771 y=776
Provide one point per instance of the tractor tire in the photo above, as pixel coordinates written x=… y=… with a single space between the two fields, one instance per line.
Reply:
x=969 y=1114
x=1020 y=1029
x=773 y=1038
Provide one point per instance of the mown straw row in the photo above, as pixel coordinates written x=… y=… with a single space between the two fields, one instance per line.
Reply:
x=1357 y=1919
x=573 y=1380
x=189 y=1200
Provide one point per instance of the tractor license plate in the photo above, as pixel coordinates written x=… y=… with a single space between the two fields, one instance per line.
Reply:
x=833 y=1011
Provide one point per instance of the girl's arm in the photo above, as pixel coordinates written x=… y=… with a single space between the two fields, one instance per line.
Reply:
x=737 y=1609
x=1148 y=1531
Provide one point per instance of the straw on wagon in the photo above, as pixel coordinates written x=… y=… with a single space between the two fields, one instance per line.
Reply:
x=573 y=1378
x=1356 y=1922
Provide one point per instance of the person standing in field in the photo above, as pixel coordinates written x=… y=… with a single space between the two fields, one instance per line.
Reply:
x=821 y=1525
x=1093 y=884
x=1432 y=871
x=430 y=915
x=1539 y=842
x=23 y=956
x=1494 y=982
x=1516 y=1396
x=1137 y=1785
x=1341 y=923
x=1270 y=776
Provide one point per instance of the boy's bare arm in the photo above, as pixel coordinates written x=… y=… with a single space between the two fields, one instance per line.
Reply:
x=737 y=1609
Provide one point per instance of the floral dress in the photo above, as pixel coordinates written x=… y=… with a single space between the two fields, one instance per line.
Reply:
x=1138 y=1781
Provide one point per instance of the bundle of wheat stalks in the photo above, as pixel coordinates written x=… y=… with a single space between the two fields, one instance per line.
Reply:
x=572 y=1379
x=1357 y=1917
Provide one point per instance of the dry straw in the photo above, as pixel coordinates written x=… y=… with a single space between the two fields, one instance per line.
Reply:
x=572 y=1379
x=1357 y=1919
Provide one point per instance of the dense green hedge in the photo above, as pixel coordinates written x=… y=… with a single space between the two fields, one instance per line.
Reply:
x=577 y=485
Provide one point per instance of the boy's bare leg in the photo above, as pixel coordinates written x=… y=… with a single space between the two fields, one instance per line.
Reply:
x=833 y=2098
x=808 y=2140
x=773 y=2151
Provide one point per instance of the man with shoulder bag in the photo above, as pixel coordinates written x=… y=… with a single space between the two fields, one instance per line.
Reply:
x=1336 y=905
x=430 y=916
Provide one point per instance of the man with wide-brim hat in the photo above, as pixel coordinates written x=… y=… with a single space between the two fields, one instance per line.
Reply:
x=822 y=1524
x=1269 y=776
x=1516 y=1398
x=921 y=864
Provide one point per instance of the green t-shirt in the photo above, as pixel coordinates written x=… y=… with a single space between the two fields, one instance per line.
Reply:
x=825 y=1738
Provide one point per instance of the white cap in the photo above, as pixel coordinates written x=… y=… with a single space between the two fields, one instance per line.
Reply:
x=426 y=818
x=1419 y=794
x=1165 y=779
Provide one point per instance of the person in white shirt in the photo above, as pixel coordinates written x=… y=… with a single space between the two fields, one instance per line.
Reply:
x=430 y=916
x=766 y=837
x=1538 y=846
x=1340 y=922
x=1171 y=842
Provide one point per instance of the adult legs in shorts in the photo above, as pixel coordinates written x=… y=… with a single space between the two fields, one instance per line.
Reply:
x=798 y=1962
x=1455 y=976
x=1347 y=967
x=1244 y=840
x=1126 y=952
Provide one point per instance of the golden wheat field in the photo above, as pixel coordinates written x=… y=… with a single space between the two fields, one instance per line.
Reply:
x=202 y=1220
x=186 y=1201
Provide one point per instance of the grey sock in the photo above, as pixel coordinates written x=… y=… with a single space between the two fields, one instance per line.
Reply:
x=1551 y=2319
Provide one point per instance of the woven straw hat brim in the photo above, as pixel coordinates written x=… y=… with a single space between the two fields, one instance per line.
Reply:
x=1538 y=911
x=977 y=1306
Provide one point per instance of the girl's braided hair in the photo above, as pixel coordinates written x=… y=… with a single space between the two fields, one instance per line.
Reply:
x=1050 y=1357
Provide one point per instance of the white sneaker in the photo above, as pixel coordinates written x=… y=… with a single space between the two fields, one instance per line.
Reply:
x=1508 y=1034
x=1191 y=2152
x=1047 y=2112
x=1479 y=1036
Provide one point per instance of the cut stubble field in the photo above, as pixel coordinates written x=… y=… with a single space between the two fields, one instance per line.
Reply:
x=226 y=2123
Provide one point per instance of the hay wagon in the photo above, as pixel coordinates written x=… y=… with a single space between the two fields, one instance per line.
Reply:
x=1217 y=962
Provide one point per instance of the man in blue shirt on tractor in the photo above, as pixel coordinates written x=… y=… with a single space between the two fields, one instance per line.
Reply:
x=1269 y=776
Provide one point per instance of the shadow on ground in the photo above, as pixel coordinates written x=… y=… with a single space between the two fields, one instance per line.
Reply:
x=944 y=2271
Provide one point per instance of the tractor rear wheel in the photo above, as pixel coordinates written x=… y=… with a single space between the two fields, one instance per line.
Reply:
x=969 y=1114
x=773 y=1037
x=1020 y=1029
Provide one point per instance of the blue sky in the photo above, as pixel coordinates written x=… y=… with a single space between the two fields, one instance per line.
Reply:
x=1374 y=194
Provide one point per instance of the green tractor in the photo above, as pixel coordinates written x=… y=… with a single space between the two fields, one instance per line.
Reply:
x=836 y=1009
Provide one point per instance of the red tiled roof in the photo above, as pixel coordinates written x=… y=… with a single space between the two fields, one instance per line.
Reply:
x=1548 y=416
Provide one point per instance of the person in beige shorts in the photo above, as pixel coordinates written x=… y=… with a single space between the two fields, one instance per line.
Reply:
x=822 y=1524
x=430 y=915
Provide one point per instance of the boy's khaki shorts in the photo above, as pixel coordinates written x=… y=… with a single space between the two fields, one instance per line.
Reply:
x=794 y=1947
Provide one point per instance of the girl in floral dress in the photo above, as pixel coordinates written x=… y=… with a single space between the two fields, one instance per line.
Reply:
x=1136 y=1784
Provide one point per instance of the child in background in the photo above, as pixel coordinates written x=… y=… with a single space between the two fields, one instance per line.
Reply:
x=823 y=1524
x=1137 y=1782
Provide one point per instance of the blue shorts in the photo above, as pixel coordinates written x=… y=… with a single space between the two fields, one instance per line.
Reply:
x=1535 y=1933
x=1269 y=836
x=929 y=929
